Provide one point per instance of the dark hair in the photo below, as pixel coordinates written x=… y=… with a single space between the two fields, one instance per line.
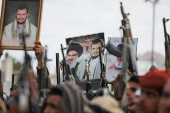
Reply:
x=134 y=79
x=96 y=41
x=75 y=47
x=53 y=91
x=22 y=6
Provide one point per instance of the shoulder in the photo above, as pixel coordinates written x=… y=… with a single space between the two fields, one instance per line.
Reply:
x=33 y=26
x=9 y=25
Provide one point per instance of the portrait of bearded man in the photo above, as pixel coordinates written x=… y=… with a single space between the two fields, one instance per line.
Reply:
x=20 y=26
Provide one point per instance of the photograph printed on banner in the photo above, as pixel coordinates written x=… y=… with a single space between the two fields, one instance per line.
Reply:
x=82 y=48
x=113 y=63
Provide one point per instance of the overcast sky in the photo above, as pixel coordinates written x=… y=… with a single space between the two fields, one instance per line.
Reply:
x=62 y=19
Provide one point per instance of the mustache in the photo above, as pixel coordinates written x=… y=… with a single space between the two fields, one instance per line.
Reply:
x=94 y=52
x=70 y=59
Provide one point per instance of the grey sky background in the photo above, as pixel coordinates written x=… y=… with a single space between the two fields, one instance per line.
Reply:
x=70 y=18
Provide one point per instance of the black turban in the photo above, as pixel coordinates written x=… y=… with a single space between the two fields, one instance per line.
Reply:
x=75 y=47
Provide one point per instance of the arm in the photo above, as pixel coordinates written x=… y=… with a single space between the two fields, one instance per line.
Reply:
x=39 y=52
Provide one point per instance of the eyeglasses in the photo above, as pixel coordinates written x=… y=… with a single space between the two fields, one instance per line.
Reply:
x=73 y=55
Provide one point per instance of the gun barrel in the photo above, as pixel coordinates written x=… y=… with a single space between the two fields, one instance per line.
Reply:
x=57 y=68
x=122 y=10
x=66 y=70
x=12 y=79
x=101 y=68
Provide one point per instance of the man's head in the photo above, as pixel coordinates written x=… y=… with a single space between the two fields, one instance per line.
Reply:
x=164 y=104
x=53 y=102
x=65 y=98
x=22 y=13
x=95 y=48
x=73 y=52
x=151 y=87
x=133 y=84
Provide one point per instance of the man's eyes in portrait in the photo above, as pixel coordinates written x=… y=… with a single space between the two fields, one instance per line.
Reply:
x=73 y=55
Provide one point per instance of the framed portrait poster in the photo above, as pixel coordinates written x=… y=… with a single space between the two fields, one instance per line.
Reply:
x=20 y=18
x=83 y=49
x=113 y=63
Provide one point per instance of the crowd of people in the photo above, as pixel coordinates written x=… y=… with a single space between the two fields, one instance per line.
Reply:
x=149 y=93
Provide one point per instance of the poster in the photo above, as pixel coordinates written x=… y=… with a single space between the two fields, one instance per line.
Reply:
x=85 y=48
x=113 y=63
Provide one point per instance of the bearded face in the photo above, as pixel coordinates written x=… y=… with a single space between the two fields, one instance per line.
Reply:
x=21 y=16
x=95 y=50
x=119 y=62
x=72 y=55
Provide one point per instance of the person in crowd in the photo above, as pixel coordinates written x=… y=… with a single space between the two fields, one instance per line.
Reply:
x=39 y=52
x=105 y=104
x=164 y=104
x=151 y=87
x=133 y=85
x=65 y=98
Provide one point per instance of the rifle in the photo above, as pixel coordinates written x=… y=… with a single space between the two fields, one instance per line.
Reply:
x=167 y=44
x=25 y=106
x=12 y=85
x=66 y=68
x=102 y=68
x=129 y=61
x=44 y=81
x=89 y=87
x=57 y=68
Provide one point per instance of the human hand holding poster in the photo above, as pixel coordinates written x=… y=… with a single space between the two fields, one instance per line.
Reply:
x=85 y=48
x=113 y=63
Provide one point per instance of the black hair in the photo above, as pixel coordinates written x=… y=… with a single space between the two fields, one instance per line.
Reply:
x=96 y=41
x=75 y=47
x=53 y=91
x=22 y=6
x=134 y=79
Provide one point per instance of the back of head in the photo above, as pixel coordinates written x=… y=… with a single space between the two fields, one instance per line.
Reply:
x=103 y=105
x=73 y=99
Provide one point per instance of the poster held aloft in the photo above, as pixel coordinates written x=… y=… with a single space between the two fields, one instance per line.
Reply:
x=114 y=62
x=20 y=17
x=85 y=48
